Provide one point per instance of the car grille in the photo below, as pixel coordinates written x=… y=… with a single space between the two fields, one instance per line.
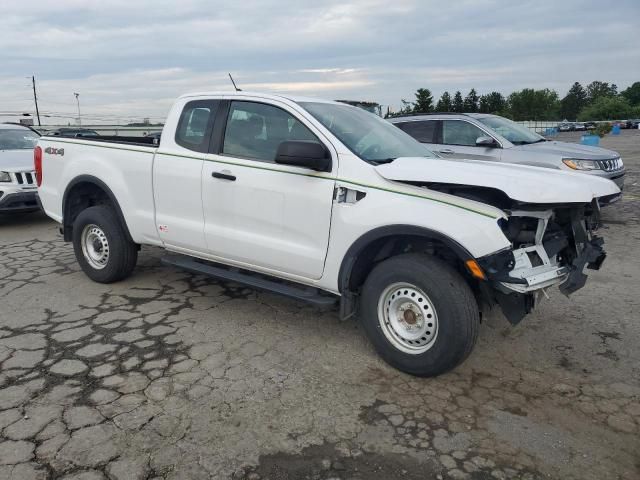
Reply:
x=612 y=165
x=25 y=178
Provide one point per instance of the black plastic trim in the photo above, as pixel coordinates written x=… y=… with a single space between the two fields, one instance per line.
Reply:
x=253 y=279
x=361 y=243
x=66 y=227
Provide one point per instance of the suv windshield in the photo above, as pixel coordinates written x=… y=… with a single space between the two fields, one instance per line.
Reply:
x=17 y=139
x=516 y=134
x=367 y=135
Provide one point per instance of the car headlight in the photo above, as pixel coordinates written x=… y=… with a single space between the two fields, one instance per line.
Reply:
x=576 y=164
x=5 y=177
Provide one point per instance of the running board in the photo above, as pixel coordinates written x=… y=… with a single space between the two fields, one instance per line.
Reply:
x=253 y=280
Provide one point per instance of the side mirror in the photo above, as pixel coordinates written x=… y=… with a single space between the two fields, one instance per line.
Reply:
x=311 y=155
x=486 y=142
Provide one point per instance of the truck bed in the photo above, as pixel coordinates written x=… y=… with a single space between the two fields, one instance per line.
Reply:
x=119 y=139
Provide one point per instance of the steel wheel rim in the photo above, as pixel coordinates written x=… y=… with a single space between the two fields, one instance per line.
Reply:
x=408 y=318
x=95 y=247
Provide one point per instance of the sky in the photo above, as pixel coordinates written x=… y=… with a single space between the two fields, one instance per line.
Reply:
x=129 y=59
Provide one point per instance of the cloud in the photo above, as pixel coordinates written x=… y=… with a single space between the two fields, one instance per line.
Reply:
x=131 y=59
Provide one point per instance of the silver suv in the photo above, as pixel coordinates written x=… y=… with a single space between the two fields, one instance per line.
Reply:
x=479 y=136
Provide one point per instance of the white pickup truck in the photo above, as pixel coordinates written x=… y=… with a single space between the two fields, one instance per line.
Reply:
x=322 y=202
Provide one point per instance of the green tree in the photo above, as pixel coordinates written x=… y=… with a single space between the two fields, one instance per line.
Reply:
x=471 y=101
x=493 y=102
x=530 y=104
x=608 y=108
x=573 y=102
x=424 y=101
x=632 y=93
x=458 y=103
x=407 y=108
x=598 y=89
x=444 y=104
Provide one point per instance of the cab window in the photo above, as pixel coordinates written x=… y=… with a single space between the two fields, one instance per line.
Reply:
x=194 y=126
x=459 y=132
x=256 y=130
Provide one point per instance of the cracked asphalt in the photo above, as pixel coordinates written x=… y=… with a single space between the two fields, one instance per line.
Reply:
x=170 y=375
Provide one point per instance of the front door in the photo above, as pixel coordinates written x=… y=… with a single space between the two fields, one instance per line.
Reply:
x=458 y=140
x=259 y=213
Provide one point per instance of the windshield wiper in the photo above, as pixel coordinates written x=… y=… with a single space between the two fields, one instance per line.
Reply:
x=380 y=161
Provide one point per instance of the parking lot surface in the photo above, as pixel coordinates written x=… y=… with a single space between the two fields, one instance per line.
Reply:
x=176 y=376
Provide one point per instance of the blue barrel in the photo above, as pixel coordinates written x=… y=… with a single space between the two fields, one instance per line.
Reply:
x=593 y=140
x=616 y=129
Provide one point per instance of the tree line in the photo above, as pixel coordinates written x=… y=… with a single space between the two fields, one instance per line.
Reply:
x=596 y=101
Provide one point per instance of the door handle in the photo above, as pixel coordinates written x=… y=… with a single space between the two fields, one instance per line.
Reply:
x=224 y=176
x=446 y=151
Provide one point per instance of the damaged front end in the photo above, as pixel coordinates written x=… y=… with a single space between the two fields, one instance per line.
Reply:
x=551 y=245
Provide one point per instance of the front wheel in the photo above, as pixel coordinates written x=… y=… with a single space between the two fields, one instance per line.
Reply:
x=420 y=314
x=102 y=246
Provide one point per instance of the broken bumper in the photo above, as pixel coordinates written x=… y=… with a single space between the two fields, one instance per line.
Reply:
x=517 y=277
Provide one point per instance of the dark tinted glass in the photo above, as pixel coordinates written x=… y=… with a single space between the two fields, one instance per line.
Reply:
x=423 y=131
x=195 y=123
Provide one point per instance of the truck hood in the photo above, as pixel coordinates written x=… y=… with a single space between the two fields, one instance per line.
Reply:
x=16 y=160
x=569 y=150
x=518 y=182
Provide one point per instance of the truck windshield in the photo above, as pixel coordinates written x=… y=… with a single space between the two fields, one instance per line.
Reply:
x=516 y=134
x=365 y=134
x=17 y=139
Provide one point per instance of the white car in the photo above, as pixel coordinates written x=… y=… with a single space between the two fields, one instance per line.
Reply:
x=17 y=176
x=325 y=202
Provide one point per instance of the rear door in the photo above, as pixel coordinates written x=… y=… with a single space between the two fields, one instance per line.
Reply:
x=259 y=213
x=425 y=131
x=458 y=140
x=177 y=177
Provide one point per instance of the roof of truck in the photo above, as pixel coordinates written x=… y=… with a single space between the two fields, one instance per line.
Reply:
x=272 y=96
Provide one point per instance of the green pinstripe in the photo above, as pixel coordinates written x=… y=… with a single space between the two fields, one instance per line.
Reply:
x=270 y=169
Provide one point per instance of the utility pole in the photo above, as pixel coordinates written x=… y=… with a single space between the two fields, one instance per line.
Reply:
x=78 y=102
x=35 y=98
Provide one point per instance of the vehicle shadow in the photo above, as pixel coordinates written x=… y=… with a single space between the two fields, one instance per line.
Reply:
x=17 y=219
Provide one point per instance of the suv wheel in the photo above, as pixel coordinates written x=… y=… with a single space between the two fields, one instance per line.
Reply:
x=420 y=314
x=101 y=245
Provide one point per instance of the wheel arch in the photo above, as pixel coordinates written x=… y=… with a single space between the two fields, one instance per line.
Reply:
x=86 y=191
x=384 y=242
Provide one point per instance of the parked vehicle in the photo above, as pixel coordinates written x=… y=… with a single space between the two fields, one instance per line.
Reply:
x=17 y=176
x=73 y=132
x=565 y=127
x=632 y=123
x=590 y=125
x=579 y=127
x=481 y=136
x=322 y=202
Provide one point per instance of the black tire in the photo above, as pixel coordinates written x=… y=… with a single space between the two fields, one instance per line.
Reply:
x=123 y=253
x=457 y=312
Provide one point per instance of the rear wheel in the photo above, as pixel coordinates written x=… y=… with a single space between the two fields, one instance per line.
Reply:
x=420 y=314
x=102 y=246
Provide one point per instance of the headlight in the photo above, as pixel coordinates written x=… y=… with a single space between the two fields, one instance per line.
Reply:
x=576 y=164
x=5 y=177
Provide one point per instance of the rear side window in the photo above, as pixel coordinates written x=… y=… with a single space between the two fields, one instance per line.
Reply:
x=194 y=126
x=424 y=132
